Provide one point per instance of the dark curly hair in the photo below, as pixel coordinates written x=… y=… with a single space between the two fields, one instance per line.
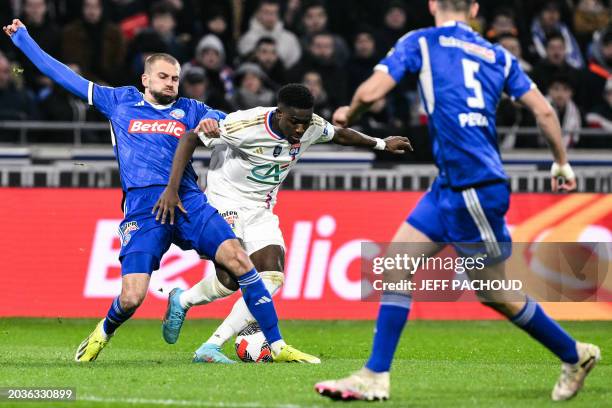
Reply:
x=295 y=96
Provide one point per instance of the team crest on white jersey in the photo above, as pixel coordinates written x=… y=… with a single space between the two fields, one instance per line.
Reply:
x=277 y=151
x=177 y=114
x=230 y=217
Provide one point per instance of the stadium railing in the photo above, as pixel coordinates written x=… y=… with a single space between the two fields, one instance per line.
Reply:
x=323 y=167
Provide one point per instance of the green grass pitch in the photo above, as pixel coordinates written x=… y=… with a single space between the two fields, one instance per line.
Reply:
x=438 y=364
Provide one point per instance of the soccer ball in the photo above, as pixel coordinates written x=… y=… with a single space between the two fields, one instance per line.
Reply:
x=252 y=346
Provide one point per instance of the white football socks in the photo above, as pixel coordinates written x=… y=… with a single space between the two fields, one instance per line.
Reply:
x=203 y=292
x=240 y=317
x=277 y=346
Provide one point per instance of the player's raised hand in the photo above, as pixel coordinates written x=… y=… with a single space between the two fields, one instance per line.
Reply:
x=398 y=144
x=340 y=117
x=210 y=128
x=563 y=178
x=166 y=204
x=12 y=28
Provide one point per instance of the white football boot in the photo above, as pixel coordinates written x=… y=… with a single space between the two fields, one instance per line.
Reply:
x=363 y=385
x=573 y=375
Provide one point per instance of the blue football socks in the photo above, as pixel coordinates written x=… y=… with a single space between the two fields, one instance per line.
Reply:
x=115 y=317
x=392 y=316
x=536 y=322
x=259 y=302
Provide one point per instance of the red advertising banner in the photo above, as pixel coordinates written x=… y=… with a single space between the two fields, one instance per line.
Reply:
x=60 y=252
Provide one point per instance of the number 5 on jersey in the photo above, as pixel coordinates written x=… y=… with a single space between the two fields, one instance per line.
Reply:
x=470 y=68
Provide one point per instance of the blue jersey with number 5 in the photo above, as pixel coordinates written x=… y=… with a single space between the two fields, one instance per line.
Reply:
x=461 y=80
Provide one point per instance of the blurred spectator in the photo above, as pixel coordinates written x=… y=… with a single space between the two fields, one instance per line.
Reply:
x=599 y=69
x=61 y=105
x=513 y=45
x=210 y=55
x=163 y=22
x=314 y=20
x=502 y=24
x=560 y=95
x=188 y=28
x=46 y=34
x=129 y=12
x=290 y=17
x=251 y=89
x=194 y=84
x=266 y=23
x=589 y=16
x=394 y=26
x=320 y=58
x=363 y=61
x=601 y=115
x=549 y=21
x=313 y=81
x=94 y=44
x=554 y=64
x=266 y=56
x=144 y=44
x=216 y=22
x=15 y=103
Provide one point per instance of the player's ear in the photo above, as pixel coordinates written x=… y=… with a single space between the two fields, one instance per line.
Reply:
x=433 y=7
x=474 y=10
x=145 y=79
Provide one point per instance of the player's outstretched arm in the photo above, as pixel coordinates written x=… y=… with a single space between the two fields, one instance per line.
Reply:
x=563 y=177
x=169 y=200
x=374 y=88
x=351 y=137
x=48 y=65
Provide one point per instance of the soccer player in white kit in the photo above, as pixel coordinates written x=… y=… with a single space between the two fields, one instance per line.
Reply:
x=253 y=155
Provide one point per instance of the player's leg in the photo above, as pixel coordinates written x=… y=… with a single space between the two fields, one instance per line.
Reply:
x=423 y=231
x=527 y=314
x=259 y=301
x=210 y=235
x=270 y=261
x=214 y=286
x=144 y=241
x=577 y=358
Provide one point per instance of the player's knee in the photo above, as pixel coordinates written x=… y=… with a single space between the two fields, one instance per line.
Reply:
x=239 y=262
x=234 y=258
x=131 y=299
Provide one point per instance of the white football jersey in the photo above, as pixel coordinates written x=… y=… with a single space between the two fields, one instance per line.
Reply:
x=249 y=167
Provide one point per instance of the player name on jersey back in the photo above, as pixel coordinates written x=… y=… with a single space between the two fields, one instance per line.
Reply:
x=168 y=127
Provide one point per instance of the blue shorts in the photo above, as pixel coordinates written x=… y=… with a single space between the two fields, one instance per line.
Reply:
x=474 y=216
x=146 y=240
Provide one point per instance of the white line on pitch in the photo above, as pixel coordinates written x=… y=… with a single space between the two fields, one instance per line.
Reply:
x=186 y=403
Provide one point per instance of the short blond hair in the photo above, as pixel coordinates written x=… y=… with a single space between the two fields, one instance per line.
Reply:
x=151 y=59
x=456 y=5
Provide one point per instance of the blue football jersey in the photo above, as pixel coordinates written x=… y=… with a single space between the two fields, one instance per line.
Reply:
x=461 y=80
x=144 y=136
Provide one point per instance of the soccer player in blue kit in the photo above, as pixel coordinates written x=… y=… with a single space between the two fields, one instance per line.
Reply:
x=461 y=80
x=145 y=131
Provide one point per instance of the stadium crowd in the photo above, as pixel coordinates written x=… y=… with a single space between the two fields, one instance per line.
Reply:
x=236 y=53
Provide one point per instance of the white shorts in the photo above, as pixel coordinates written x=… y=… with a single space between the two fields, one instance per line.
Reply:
x=255 y=227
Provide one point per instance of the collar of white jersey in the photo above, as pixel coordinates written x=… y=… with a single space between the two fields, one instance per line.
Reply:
x=454 y=23
x=268 y=125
